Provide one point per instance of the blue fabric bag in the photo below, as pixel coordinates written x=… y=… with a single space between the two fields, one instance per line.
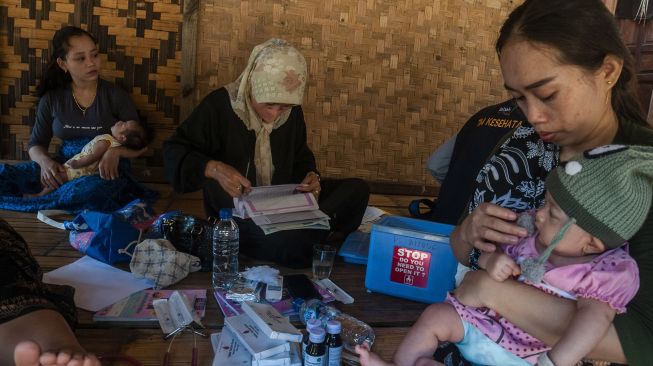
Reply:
x=101 y=235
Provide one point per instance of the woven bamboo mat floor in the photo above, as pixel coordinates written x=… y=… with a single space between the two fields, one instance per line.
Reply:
x=390 y=317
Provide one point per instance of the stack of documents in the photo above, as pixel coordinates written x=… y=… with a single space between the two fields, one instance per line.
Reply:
x=281 y=207
x=258 y=337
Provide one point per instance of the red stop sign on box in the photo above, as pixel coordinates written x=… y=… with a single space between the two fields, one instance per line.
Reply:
x=410 y=267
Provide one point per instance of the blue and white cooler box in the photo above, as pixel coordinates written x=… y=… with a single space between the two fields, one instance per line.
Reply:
x=411 y=258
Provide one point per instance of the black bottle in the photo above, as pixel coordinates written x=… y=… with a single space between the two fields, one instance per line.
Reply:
x=333 y=343
x=316 y=349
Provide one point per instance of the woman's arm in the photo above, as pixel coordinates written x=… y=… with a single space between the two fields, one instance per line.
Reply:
x=230 y=179
x=197 y=141
x=544 y=316
x=52 y=173
x=588 y=326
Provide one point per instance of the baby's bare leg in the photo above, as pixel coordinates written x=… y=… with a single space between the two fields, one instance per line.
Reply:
x=438 y=323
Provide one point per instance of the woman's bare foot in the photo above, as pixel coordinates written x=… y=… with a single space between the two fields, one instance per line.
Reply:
x=369 y=358
x=42 y=337
x=28 y=353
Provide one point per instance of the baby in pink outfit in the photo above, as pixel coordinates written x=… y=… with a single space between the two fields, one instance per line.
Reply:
x=594 y=204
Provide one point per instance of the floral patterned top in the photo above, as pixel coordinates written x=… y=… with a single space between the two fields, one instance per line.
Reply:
x=514 y=176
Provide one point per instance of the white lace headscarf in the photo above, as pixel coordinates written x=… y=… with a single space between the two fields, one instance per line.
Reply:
x=275 y=73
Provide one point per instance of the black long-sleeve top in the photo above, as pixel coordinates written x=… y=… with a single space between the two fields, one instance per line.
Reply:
x=214 y=132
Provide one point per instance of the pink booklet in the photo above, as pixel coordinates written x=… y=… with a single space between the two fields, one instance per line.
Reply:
x=138 y=306
x=270 y=200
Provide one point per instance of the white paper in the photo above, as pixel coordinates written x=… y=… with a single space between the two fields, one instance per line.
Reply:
x=313 y=225
x=96 y=284
x=372 y=214
x=290 y=217
x=335 y=290
x=281 y=207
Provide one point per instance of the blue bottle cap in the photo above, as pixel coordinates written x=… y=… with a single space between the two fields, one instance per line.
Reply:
x=317 y=335
x=333 y=327
x=225 y=213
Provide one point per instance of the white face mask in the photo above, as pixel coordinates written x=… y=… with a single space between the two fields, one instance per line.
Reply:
x=159 y=261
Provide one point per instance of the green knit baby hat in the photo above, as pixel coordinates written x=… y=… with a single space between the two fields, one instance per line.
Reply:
x=607 y=190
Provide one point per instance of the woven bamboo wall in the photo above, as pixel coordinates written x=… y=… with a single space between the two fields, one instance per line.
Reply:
x=140 y=48
x=388 y=80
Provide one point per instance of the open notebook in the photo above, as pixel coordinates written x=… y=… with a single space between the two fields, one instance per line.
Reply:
x=281 y=207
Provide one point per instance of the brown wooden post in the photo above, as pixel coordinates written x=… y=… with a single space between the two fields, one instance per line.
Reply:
x=188 y=58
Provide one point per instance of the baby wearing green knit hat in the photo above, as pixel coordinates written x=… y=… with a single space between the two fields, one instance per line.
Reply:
x=595 y=203
x=606 y=192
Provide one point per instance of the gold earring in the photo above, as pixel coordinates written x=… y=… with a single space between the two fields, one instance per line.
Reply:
x=609 y=82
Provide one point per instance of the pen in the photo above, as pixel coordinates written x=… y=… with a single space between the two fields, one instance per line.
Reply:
x=241 y=187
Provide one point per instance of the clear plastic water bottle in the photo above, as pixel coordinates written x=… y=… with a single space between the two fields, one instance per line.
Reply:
x=225 y=251
x=353 y=331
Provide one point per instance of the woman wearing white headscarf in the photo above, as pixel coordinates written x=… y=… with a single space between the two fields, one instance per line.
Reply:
x=252 y=133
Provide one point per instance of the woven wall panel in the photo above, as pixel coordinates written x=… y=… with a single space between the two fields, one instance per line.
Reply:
x=389 y=80
x=140 y=49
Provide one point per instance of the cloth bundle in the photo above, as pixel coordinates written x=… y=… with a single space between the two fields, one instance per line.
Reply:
x=159 y=261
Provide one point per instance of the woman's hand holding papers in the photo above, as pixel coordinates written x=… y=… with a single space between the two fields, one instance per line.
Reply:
x=311 y=183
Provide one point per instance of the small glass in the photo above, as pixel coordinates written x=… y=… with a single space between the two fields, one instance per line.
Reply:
x=323 y=256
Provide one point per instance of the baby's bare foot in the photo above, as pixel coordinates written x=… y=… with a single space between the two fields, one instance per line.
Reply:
x=369 y=358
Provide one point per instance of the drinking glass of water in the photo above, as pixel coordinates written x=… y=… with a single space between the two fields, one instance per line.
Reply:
x=323 y=256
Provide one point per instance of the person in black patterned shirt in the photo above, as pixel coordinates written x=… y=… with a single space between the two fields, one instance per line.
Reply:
x=571 y=74
x=36 y=319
